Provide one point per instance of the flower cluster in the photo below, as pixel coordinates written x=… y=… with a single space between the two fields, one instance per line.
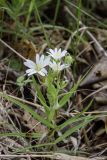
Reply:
x=53 y=60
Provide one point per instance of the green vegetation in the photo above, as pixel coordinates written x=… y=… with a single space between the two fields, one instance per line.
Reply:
x=47 y=110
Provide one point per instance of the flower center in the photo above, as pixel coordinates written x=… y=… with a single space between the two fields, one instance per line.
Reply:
x=58 y=54
x=38 y=67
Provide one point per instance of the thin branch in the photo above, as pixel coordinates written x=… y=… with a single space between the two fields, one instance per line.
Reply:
x=93 y=93
x=23 y=101
x=25 y=156
x=56 y=156
x=18 y=54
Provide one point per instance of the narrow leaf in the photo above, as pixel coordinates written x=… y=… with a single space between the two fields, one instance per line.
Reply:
x=40 y=95
x=67 y=96
x=74 y=129
x=28 y=109
x=75 y=118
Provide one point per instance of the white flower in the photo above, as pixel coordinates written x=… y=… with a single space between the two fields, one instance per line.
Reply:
x=57 y=54
x=37 y=67
x=57 y=66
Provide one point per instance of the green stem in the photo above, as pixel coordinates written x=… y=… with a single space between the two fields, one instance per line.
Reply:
x=42 y=26
x=29 y=12
x=56 y=12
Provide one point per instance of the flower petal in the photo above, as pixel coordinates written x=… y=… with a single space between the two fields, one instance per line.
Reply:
x=64 y=52
x=44 y=70
x=56 y=50
x=41 y=60
x=41 y=73
x=31 y=73
x=46 y=61
x=59 y=50
x=51 y=64
x=51 y=51
x=29 y=64
x=63 y=66
x=37 y=58
x=29 y=70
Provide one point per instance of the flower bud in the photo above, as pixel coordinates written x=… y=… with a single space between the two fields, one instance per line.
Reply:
x=69 y=60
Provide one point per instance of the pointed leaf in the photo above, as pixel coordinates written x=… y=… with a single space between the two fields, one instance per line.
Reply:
x=28 y=109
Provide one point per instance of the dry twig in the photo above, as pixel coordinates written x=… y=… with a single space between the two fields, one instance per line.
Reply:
x=97 y=45
x=18 y=54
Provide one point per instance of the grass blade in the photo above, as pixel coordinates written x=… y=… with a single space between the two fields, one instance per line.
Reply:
x=39 y=18
x=29 y=12
x=74 y=129
x=66 y=97
x=40 y=95
x=28 y=109
x=76 y=118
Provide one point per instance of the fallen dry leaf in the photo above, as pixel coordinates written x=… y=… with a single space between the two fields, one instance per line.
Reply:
x=97 y=74
x=33 y=124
